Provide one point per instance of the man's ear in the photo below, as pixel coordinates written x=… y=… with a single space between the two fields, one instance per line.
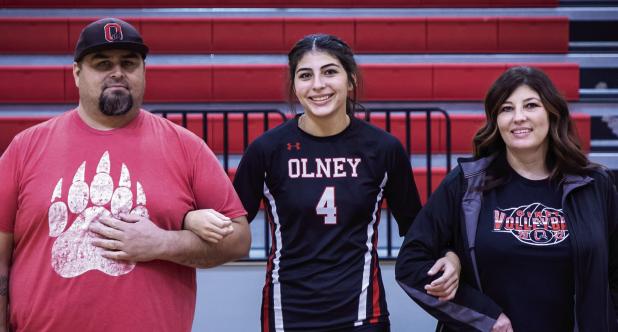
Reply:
x=77 y=68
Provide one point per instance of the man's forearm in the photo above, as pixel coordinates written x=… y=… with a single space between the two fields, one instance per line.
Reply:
x=186 y=248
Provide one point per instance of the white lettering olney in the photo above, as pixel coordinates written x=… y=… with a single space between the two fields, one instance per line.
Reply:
x=323 y=167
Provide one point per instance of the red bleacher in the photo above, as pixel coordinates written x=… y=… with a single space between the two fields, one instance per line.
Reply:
x=278 y=34
x=247 y=83
x=265 y=83
x=274 y=3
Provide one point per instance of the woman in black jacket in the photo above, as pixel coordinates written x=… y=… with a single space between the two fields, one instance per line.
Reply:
x=531 y=218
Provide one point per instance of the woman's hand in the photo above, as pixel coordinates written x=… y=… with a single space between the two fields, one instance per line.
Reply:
x=445 y=287
x=210 y=225
x=503 y=324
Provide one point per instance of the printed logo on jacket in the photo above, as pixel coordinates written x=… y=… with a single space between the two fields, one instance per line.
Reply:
x=533 y=224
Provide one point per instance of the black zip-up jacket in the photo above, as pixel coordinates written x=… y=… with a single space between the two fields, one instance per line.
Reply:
x=449 y=221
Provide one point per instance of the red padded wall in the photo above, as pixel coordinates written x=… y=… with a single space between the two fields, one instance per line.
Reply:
x=386 y=3
x=40 y=35
x=463 y=128
x=397 y=82
x=583 y=129
x=461 y=34
x=38 y=84
x=420 y=178
x=11 y=126
x=260 y=83
x=391 y=35
x=543 y=35
x=464 y=81
x=177 y=34
x=180 y=84
x=71 y=93
x=452 y=3
x=523 y=3
x=248 y=35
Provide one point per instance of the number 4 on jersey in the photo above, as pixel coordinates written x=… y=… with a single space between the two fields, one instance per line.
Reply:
x=326 y=206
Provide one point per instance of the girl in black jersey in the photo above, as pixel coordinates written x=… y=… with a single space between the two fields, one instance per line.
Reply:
x=322 y=177
x=532 y=219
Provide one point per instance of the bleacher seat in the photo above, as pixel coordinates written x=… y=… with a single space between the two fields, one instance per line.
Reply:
x=501 y=34
x=266 y=82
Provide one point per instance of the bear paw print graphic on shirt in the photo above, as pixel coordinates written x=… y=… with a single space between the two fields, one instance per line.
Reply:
x=72 y=253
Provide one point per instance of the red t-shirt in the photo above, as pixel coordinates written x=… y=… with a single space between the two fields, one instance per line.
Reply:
x=60 y=176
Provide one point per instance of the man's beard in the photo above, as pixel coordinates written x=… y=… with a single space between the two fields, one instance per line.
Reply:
x=115 y=103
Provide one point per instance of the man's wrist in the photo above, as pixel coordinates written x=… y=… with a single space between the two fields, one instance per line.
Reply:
x=189 y=221
x=165 y=249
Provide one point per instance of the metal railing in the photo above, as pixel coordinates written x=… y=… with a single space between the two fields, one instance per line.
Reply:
x=205 y=117
x=407 y=112
x=428 y=131
x=215 y=127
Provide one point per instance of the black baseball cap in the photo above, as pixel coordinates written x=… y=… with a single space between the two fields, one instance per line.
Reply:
x=106 y=34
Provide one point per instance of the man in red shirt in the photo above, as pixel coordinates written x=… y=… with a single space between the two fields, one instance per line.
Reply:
x=91 y=233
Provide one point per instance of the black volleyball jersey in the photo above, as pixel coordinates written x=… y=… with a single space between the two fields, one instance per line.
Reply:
x=322 y=197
